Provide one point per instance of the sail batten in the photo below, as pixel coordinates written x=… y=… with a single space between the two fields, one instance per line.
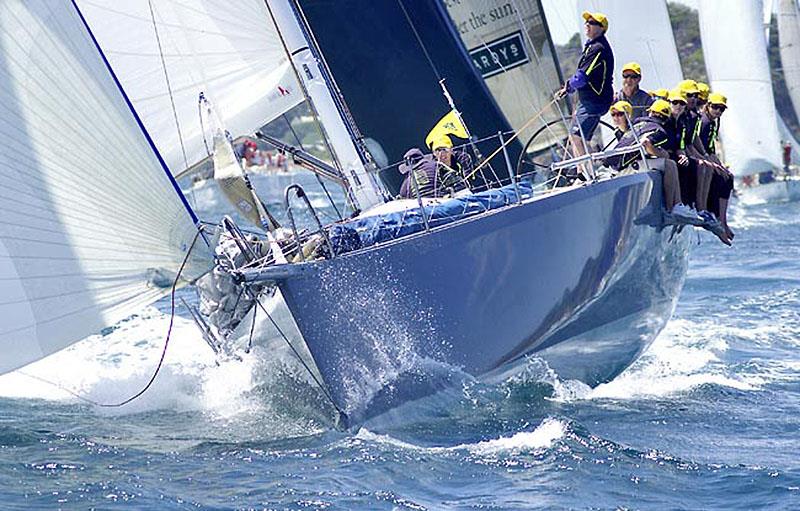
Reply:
x=92 y=227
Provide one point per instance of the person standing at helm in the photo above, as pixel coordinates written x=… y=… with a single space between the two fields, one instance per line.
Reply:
x=630 y=91
x=593 y=81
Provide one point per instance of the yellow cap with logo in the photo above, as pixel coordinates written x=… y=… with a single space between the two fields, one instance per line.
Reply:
x=715 y=98
x=676 y=94
x=660 y=106
x=704 y=90
x=632 y=66
x=598 y=17
x=622 y=106
x=660 y=93
x=688 y=87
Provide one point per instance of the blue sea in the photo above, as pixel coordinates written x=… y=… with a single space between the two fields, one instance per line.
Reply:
x=708 y=418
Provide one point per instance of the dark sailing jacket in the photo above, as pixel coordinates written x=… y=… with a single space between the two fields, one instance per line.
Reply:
x=651 y=127
x=595 y=76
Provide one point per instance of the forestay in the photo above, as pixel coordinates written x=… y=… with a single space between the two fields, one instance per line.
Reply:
x=167 y=56
x=749 y=129
x=92 y=227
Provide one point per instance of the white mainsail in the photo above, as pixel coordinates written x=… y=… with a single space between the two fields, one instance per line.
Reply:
x=167 y=56
x=640 y=32
x=789 y=40
x=736 y=60
x=92 y=225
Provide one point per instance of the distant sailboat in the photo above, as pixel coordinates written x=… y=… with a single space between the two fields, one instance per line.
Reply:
x=750 y=128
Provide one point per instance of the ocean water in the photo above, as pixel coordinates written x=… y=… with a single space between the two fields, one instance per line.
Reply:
x=708 y=418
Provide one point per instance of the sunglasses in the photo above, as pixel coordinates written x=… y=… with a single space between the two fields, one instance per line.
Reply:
x=693 y=95
x=617 y=114
x=631 y=76
x=718 y=107
x=441 y=149
x=593 y=22
x=678 y=102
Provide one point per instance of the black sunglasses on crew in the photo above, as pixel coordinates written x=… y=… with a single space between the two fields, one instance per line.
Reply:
x=678 y=102
x=630 y=75
x=718 y=107
x=594 y=22
x=693 y=95
x=617 y=114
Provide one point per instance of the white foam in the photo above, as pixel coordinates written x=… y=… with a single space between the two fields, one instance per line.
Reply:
x=543 y=437
x=110 y=368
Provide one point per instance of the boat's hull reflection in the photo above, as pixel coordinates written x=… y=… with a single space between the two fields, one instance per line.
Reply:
x=585 y=279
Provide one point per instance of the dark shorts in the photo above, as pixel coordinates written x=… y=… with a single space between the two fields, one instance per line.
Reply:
x=687 y=175
x=588 y=122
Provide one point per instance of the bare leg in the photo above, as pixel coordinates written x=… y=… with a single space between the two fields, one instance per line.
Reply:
x=704 y=175
x=672 y=187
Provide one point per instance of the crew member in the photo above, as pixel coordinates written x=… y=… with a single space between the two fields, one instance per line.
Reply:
x=593 y=80
x=630 y=91
x=454 y=165
x=621 y=115
x=722 y=179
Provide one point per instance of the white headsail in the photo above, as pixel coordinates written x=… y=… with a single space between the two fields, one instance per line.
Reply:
x=166 y=53
x=92 y=225
x=736 y=60
x=640 y=32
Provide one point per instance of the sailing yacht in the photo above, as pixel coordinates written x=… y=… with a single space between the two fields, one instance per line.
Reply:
x=583 y=275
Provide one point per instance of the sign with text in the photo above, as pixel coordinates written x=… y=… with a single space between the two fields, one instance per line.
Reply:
x=500 y=55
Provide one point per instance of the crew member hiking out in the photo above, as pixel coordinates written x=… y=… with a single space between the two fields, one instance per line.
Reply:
x=593 y=81
x=652 y=132
x=722 y=179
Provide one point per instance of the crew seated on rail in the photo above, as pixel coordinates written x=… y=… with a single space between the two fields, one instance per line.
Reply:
x=651 y=131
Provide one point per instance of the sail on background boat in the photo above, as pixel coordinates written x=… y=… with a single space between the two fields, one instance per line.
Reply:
x=749 y=128
x=789 y=40
x=92 y=226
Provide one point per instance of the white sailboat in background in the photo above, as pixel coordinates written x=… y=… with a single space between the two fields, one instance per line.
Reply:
x=750 y=127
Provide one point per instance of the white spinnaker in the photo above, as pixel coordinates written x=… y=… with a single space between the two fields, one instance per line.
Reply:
x=228 y=50
x=90 y=219
x=640 y=32
x=789 y=39
x=736 y=60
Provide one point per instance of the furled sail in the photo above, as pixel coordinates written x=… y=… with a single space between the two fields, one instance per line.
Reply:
x=92 y=226
x=789 y=39
x=736 y=60
x=166 y=53
x=510 y=45
x=641 y=32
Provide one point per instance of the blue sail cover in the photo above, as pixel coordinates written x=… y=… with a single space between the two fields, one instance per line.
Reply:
x=370 y=230
x=389 y=82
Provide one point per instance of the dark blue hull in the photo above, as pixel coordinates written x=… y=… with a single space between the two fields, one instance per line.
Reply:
x=584 y=278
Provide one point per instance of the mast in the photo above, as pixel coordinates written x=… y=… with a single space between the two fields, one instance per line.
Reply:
x=305 y=55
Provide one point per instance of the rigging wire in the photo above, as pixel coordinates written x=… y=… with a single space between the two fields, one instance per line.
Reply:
x=419 y=40
x=163 y=351
x=169 y=86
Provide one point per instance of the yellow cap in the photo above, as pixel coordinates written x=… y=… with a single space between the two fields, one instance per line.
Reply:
x=676 y=94
x=660 y=106
x=688 y=87
x=598 y=17
x=622 y=106
x=704 y=89
x=715 y=98
x=660 y=93
x=632 y=66
x=443 y=141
